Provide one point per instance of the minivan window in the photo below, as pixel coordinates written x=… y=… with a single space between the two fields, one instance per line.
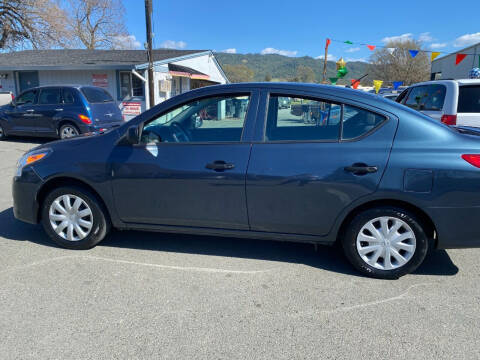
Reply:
x=96 y=95
x=302 y=119
x=469 y=99
x=26 y=98
x=357 y=122
x=68 y=96
x=49 y=96
x=427 y=97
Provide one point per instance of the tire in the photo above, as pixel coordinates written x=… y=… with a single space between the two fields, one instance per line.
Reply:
x=375 y=247
x=94 y=225
x=67 y=131
x=3 y=136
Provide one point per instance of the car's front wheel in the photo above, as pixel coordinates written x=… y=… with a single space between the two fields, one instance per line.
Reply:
x=385 y=242
x=74 y=218
x=67 y=131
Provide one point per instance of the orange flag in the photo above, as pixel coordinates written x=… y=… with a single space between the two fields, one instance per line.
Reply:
x=459 y=58
x=371 y=47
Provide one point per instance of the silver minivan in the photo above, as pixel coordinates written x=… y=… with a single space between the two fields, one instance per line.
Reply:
x=453 y=102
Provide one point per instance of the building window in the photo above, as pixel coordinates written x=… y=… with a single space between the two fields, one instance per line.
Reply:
x=131 y=85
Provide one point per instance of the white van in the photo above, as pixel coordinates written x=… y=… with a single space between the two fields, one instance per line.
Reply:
x=453 y=102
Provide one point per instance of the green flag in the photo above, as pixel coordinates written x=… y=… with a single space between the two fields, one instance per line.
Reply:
x=333 y=80
x=348 y=42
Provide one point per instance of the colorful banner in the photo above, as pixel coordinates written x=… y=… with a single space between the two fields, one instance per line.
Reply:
x=355 y=83
x=333 y=80
x=413 y=53
x=459 y=58
x=371 y=47
x=397 y=84
x=377 y=84
x=434 y=55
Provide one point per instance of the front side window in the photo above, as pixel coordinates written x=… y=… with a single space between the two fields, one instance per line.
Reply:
x=26 y=98
x=50 y=96
x=358 y=122
x=214 y=119
x=302 y=119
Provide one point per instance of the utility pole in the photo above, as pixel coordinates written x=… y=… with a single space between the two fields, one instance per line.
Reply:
x=148 y=21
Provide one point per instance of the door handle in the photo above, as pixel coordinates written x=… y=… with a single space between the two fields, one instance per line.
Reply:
x=29 y=110
x=58 y=109
x=361 y=169
x=220 y=165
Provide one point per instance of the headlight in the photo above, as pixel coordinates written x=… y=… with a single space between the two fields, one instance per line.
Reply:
x=30 y=158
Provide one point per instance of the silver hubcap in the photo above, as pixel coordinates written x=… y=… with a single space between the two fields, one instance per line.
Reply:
x=71 y=217
x=386 y=243
x=68 y=131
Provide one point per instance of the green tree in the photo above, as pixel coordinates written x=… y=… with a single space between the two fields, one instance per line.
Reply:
x=239 y=73
x=305 y=74
x=268 y=78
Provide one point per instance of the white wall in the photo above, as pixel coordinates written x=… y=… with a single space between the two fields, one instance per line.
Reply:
x=205 y=64
x=449 y=70
x=8 y=84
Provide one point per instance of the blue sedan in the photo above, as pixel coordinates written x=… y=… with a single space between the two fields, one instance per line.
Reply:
x=384 y=181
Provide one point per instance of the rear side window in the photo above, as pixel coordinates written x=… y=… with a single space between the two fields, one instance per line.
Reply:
x=357 y=122
x=68 y=96
x=427 y=97
x=96 y=95
x=302 y=119
x=49 y=96
x=469 y=99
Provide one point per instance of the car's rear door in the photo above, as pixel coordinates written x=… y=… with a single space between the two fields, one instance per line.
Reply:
x=49 y=109
x=190 y=167
x=302 y=175
x=468 y=107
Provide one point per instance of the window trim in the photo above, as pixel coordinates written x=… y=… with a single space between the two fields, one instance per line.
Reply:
x=248 y=93
x=131 y=76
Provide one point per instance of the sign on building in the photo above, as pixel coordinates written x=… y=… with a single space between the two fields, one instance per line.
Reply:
x=100 y=80
x=131 y=108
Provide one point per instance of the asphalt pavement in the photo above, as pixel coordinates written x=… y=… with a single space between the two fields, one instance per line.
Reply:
x=142 y=295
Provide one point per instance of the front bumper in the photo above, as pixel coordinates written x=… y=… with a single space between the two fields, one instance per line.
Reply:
x=25 y=191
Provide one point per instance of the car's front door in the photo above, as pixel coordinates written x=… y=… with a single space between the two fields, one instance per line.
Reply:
x=21 y=114
x=190 y=167
x=305 y=173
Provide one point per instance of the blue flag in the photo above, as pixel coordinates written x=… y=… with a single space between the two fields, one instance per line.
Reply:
x=413 y=53
x=397 y=84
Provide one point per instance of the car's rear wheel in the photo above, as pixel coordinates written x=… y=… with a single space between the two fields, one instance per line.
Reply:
x=385 y=242
x=68 y=130
x=2 y=133
x=74 y=218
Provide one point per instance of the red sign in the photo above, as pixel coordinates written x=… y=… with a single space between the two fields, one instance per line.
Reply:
x=100 y=80
x=132 y=108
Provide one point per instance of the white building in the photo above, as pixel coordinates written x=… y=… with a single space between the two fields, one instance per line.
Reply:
x=121 y=72
x=445 y=68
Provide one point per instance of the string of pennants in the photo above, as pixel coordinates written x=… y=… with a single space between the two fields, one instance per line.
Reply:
x=413 y=52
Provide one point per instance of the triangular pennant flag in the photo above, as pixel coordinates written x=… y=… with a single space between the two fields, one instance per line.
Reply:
x=434 y=55
x=348 y=42
x=377 y=84
x=355 y=83
x=459 y=58
x=371 y=47
x=390 y=50
x=413 y=53
x=397 y=84
x=333 y=80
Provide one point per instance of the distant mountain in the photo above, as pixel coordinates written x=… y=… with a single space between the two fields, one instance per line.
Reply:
x=282 y=68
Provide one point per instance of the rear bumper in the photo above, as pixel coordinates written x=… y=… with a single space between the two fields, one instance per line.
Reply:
x=24 y=190
x=456 y=227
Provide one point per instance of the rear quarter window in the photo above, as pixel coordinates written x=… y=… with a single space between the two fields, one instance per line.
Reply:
x=96 y=95
x=358 y=122
x=469 y=99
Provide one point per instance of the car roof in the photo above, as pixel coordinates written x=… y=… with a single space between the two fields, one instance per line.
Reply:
x=449 y=81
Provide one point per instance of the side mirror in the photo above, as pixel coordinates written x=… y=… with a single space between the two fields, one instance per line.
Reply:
x=133 y=135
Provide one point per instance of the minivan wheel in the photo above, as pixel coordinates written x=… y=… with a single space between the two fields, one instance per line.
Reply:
x=385 y=242
x=68 y=130
x=74 y=218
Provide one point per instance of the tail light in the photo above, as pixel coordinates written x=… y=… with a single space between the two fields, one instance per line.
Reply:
x=85 y=119
x=473 y=159
x=13 y=96
x=449 y=119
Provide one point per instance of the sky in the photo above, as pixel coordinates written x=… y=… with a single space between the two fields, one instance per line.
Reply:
x=299 y=28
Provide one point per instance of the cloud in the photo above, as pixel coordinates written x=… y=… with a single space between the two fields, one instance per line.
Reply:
x=330 y=57
x=229 y=51
x=467 y=39
x=352 y=49
x=279 y=52
x=125 y=42
x=425 y=37
x=401 y=38
x=356 y=59
x=438 y=45
x=171 y=44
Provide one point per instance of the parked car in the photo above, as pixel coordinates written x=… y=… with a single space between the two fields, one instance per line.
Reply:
x=453 y=102
x=385 y=181
x=6 y=97
x=59 y=111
